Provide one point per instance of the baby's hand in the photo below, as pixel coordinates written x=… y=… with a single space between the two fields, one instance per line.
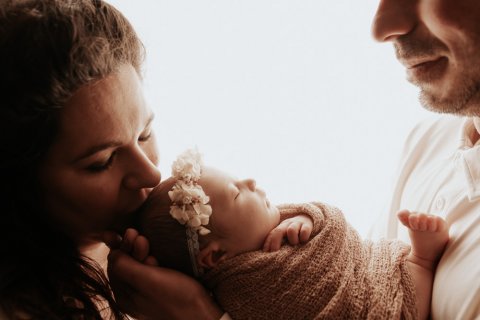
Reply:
x=297 y=230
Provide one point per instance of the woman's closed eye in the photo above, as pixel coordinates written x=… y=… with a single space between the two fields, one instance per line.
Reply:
x=146 y=136
x=102 y=166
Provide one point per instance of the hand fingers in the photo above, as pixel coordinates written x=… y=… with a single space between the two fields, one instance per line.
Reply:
x=295 y=231
x=140 y=277
x=123 y=269
x=123 y=291
x=267 y=245
x=112 y=239
x=128 y=240
x=305 y=232
x=136 y=245
x=129 y=300
x=133 y=282
x=151 y=291
x=274 y=238
x=151 y=261
x=141 y=248
x=292 y=233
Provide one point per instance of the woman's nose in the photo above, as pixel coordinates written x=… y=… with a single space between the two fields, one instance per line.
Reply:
x=394 y=18
x=143 y=172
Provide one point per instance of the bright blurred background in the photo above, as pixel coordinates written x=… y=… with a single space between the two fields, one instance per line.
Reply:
x=295 y=94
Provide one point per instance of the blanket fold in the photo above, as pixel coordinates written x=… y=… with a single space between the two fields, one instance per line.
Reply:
x=336 y=275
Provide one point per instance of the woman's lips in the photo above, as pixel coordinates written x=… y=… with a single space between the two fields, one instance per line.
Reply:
x=126 y=215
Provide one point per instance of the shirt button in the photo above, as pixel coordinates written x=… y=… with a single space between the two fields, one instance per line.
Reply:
x=439 y=203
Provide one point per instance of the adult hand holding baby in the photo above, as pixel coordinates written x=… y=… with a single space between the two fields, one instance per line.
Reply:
x=139 y=284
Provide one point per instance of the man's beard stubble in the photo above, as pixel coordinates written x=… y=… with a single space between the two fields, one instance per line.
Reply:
x=463 y=97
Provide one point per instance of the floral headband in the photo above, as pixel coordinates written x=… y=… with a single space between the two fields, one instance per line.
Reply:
x=190 y=203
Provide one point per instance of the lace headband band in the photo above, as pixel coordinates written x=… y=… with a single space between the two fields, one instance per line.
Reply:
x=190 y=203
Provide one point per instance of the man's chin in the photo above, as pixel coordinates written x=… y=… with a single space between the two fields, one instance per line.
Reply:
x=462 y=105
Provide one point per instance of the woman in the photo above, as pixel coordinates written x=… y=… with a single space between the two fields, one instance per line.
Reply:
x=78 y=157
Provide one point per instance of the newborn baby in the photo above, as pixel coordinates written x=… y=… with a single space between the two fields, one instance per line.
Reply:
x=225 y=232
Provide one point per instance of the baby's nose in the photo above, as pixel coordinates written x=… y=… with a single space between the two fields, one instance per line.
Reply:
x=251 y=184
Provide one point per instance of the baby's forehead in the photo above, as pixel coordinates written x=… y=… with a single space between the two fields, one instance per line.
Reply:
x=215 y=180
x=214 y=174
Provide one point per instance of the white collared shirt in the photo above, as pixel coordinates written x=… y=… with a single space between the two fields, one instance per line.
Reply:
x=440 y=174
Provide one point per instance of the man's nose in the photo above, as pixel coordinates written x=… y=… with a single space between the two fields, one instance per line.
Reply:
x=394 y=18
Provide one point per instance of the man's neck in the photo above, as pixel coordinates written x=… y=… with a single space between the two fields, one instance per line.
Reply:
x=476 y=134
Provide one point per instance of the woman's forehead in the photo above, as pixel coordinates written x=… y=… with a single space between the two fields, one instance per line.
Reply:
x=106 y=112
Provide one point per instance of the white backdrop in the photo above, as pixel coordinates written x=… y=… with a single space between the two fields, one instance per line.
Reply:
x=293 y=93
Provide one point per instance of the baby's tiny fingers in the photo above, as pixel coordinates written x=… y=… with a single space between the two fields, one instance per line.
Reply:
x=266 y=244
x=305 y=232
x=275 y=238
x=292 y=233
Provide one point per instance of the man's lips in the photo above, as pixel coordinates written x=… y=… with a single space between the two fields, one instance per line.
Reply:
x=425 y=70
x=419 y=62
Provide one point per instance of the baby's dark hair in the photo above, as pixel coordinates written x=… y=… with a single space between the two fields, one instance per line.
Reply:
x=167 y=237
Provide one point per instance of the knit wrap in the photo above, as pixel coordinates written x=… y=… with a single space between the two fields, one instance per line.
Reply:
x=336 y=275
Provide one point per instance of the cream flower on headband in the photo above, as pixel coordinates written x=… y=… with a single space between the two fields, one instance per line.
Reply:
x=190 y=203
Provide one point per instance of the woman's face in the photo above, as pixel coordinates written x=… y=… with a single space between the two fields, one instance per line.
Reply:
x=102 y=165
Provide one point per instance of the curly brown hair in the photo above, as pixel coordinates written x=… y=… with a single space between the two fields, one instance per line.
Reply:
x=48 y=50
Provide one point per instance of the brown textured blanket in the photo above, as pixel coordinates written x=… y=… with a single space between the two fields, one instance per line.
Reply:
x=336 y=275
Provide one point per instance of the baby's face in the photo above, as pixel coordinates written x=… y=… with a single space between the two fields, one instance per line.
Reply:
x=241 y=216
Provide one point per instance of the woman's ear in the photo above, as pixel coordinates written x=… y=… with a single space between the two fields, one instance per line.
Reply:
x=211 y=255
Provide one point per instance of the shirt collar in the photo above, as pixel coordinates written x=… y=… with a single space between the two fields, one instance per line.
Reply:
x=470 y=154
